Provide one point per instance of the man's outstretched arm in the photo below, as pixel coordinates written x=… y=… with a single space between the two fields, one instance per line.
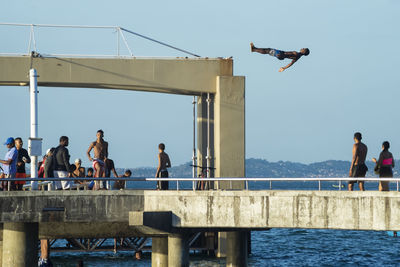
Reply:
x=288 y=65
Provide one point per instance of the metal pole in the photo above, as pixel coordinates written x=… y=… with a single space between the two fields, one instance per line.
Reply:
x=34 y=122
x=194 y=142
x=118 y=30
x=319 y=185
x=208 y=157
x=340 y=185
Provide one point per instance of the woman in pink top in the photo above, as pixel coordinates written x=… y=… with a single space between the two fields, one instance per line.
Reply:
x=384 y=166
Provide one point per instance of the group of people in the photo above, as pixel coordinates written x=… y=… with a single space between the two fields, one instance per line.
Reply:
x=56 y=163
x=383 y=165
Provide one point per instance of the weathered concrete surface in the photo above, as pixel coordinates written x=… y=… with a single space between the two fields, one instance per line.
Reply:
x=369 y=210
x=20 y=245
x=69 y=206
x=214 y=210
x=1 y=244
x=176 y=75
x=159 y=252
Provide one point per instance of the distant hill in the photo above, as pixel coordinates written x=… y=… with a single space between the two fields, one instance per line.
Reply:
x=264 y=168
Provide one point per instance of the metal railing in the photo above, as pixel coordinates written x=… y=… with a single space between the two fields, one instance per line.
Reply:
x=231 y=180
x=32 y=44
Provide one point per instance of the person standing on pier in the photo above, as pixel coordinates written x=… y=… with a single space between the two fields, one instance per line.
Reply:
x=100 y=148
x=384 y=166
x=9 y=163
x=62 y=167
x=23 y=157
x=163 y=164
x=109 y=167
x=358 y=167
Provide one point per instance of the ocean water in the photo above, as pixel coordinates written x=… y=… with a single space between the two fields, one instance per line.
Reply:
x=277 y=247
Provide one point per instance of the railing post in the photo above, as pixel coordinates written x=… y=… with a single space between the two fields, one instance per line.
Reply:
x=319 y=185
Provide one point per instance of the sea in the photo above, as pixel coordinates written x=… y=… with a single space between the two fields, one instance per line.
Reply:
x=277 y=246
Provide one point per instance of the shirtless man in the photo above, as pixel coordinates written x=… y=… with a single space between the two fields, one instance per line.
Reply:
x=163 y=164
x=358 y=167
x=281 y=55
x=79 y=171
x=100 y=148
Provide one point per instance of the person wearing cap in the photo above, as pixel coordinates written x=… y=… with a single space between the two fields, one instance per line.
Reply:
x=79 y=171
x=9 y=164
x=23 y=157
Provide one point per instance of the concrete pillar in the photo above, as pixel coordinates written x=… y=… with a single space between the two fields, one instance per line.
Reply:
x=1 y=244
x=229 y=123
x=236 y=249
x=20 y=244
x=178 y=251
x=159 y=252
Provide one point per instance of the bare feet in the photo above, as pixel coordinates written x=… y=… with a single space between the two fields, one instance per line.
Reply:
x=251 y=47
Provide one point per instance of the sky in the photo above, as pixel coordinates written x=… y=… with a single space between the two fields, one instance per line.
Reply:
x=349 y=82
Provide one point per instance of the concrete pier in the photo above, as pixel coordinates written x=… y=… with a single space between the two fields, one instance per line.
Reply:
x=1 y=244
x=178 y=250
x=236 y=249
x=20 y=244
x=159 y=252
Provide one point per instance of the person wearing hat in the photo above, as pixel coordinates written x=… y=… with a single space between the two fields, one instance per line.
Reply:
x=79 y=171
x=9 y=163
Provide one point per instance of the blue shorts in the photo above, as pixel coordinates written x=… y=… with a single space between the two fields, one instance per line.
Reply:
x=277 y=53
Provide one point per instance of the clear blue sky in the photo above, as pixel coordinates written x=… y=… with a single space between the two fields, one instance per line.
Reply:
x=349 y=82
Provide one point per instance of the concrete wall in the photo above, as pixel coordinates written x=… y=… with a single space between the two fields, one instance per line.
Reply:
x=175 y=75
x=286 y=209
x=369 y=210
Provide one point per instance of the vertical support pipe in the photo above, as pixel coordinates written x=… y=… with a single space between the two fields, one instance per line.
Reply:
x=194 y=158
x=208 y=157
x=340 y=185
x=319 y=185
x=118 y=32
x=34 y=122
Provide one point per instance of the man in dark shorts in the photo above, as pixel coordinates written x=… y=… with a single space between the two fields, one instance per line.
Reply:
x=163 y=163
x=358 y=167
x=23 y=157
x=281 y=55
x=109 y=167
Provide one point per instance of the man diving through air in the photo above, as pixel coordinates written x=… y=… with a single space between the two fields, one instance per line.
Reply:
x=281 y=55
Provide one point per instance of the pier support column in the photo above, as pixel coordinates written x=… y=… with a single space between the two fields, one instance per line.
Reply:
x=20 y=244
x=159 y=252
x=178 y=250
x=236 y=249
x=1 y=244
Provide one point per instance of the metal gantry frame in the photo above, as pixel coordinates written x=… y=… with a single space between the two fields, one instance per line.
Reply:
x=119 y=30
